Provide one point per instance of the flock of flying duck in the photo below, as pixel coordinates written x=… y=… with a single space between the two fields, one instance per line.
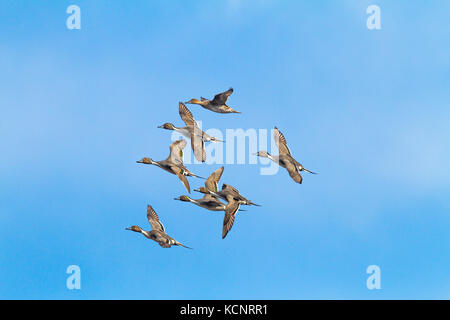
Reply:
x=212 y=195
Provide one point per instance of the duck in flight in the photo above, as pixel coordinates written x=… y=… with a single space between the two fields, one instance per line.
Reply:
x=285 y=158
x=234 y=200
x=157 y=233
x=230 y=215
x=209 y=201
x=218 y=104
x=191 y=131
x=174 y=163
x=226 y=191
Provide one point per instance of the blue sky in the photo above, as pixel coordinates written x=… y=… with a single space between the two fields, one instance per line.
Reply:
x=368 y=110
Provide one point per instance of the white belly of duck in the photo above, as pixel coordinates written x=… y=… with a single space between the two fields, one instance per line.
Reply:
x=184 y=132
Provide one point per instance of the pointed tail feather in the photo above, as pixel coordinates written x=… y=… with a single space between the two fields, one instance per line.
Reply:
x=304 y=169
x=214 y=194
x=182 y=245
x=194 y=175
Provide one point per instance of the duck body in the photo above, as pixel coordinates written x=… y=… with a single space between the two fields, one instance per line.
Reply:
x=218 y=108
x=208 y=202
x=229 y=193
x=185 y=131
x=285 y=159
x=169 y=167
x=163 y=164
x=197 y=136
x=174 y=163
x=163 y=239
x=157 y=233
x=190 y=131
x=218 y=104
x=290 y=164
x=211 y=201
x=197 y=133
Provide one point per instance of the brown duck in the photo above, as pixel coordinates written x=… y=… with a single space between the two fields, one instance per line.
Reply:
x=157 y=233
x=191 y=131
x=217 y=104
x=234 y=200
x=285 y=158
x=174 y=163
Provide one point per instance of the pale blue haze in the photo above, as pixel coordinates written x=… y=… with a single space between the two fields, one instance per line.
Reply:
x=368 y=110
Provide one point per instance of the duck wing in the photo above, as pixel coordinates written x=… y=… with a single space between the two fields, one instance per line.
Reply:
x=176 y=151
x=231 y=190
x=153 y=219
x=164 y=244
x=221 y=98
x=293 y=172
x=208 y=198
x=213 y=180
x=198 y=146
x=186 y=115
x=179 y=172
x=230 y=213
x=280 y=140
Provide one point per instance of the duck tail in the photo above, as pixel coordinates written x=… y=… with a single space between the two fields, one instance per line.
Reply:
x=190 y=174
x=253 y=204
x=309 y=171
x=214 y=194
x=182 y=245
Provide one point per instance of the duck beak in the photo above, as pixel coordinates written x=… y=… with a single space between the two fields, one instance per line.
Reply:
x=139 y=161
x=161 y=127
x=177 y=198
x=197 y=190
x=127 y=228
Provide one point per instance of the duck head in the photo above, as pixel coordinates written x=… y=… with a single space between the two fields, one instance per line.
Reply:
x=134 y=228
x=202 y=190
x=194 y=101
x=183 y=198
x=145 y=160
x=214 y=139
x=263 y=154
x=167 y=126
